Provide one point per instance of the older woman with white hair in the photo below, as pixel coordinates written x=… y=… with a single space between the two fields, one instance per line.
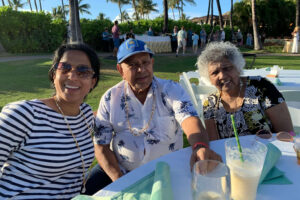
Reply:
x=254 y=101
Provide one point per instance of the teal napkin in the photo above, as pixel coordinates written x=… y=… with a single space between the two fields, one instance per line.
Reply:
x=271 y=174
x=278 y=82
x=268 y=69
x=154 y=186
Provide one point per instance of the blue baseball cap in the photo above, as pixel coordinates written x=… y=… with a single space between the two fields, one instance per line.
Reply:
x=131 y=47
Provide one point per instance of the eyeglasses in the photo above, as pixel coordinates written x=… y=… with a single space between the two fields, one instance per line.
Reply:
x=282 y=135
x=82 y=71
x=136 y=66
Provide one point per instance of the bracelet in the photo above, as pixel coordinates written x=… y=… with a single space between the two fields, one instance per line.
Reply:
x=201 y=144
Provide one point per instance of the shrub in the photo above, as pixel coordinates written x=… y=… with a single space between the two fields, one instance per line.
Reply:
x=26 y=32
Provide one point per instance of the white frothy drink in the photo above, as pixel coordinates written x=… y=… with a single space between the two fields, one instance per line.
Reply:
x=244 y=179
x=245 y=167
x=209 y=195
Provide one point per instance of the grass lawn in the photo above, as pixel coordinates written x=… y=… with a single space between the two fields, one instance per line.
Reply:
x=29 y=80
x=25 y=80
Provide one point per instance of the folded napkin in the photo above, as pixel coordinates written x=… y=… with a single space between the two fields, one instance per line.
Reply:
x=154 y=186
x=278 y=82
x=270 y=174
x=268 y=69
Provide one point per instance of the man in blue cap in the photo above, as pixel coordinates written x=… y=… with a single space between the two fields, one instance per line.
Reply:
x=142 y=118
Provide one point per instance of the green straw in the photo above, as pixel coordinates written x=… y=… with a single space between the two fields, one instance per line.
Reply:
x=237 y=138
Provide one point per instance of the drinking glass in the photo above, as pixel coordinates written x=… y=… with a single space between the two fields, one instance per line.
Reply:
x=245 y=172
x=297 y=148
x=210 y=180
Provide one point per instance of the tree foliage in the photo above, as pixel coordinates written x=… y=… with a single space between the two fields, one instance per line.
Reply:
x=26 y=32
x=274 y=17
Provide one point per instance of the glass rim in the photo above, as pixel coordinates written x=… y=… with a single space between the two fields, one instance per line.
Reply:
x=219 y=163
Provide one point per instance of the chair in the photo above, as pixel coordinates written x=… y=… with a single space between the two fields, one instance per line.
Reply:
x=295 y=115
x=196 y=92
x=291 y=95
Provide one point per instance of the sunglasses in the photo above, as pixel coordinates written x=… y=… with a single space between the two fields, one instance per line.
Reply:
x=282 y=135
x=82 y=71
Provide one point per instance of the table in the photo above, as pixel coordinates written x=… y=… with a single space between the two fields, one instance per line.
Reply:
x=181 y=175
x=158 y=44
x=290 y=79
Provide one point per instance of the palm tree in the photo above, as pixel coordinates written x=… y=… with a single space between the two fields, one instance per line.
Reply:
x=145 y=7
x=63 y=9
x=74 y=23
x=120 y=4
x=220 y=14
x=257 y=43
x=181 y=4
x=35 y=4
x=17 y=4
x=58 y=13
x=173 y=5
x=9 y=3
x=211 y=20
x=41 y=9
x=135 y=14
x=101 y=16
x=3 y=3
x=297 y=13
x=231 y=25
x=125 y=16
x=84 y=8
x=208 y=9
x=165 y=29
x=29 y=2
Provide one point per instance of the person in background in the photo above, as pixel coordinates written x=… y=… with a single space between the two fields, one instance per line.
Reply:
x=142 y=118
x=46 y=144
x=263 y=37
x=239 y=38
x=203 y=37
x=189 y=38
x=116 y=37
x=254 y=101
x=130 y=34
x=150 y=32
x=222 y=35
x=295 y=35
x=195 y=39
x=181 y=40
x=174 y=39
x=249 y=40
x=106 y=37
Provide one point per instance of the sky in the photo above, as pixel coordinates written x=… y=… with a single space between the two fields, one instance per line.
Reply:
x=111 y=10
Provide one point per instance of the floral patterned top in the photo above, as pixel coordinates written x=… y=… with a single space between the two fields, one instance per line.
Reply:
x=260 y=95
x=164 y=134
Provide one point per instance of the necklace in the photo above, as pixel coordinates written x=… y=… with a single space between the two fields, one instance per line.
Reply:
x=91 y=131
x=135 y=131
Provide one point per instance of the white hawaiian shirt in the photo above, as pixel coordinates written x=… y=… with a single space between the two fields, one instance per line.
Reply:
x=164 y=134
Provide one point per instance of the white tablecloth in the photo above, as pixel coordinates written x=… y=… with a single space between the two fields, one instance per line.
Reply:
x=290 y=79
x=181 y=175
x=158 y=44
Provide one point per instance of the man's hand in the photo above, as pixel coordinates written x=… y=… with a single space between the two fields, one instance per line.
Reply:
x=203 y=154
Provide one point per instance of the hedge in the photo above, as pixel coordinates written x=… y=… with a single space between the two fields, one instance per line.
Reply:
x=30 y=32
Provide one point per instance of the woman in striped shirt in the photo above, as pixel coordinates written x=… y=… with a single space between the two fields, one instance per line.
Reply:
x=45 y=144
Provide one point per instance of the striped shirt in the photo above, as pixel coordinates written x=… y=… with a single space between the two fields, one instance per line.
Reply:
x=38 y=156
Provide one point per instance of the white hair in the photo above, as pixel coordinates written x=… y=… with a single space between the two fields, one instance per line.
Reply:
x=216 y=52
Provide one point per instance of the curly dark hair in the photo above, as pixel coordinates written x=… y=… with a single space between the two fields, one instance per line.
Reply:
x=91 y=54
